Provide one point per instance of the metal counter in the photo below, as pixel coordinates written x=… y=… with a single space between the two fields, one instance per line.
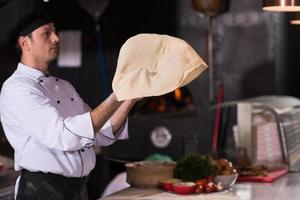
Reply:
x=285 y=188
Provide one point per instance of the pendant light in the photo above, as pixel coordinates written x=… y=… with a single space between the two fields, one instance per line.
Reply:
x=281 y=5
x=295 y=18
x=209 y=9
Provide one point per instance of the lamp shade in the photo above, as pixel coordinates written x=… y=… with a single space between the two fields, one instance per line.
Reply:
x=209 y=7
x=282 y=5
x=295 y=18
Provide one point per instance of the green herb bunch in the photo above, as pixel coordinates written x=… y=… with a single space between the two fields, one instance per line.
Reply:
x=194 y=166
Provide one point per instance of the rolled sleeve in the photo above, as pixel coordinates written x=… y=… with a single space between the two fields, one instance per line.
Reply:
x=122 y=133
x=80 y=125
x=106 y=136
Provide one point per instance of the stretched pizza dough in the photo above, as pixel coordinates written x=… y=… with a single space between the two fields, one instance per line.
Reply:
x=153 y=65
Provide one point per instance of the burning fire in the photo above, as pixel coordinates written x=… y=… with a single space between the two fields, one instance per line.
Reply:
x=178 y=100
x=178 y=94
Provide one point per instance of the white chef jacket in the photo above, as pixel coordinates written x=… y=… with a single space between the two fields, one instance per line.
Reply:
x=49 y=126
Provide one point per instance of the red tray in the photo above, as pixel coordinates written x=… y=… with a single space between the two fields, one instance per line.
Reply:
x=272 y=176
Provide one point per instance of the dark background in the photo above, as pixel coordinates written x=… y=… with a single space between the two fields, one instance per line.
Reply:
x=255 y=53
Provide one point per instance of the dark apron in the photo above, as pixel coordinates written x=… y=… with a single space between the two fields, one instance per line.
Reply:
x=47 y=186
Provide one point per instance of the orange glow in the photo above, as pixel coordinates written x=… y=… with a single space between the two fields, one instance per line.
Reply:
x=178 y=94
x=282 y=8
x=295 y=22
x=162 y=105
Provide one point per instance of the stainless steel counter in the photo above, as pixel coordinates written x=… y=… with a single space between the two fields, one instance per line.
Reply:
x=285 y=188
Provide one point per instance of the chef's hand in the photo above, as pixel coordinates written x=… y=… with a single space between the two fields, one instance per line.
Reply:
x=130 y=103
x=118 y=118
x=104 y=111
x=137 y=99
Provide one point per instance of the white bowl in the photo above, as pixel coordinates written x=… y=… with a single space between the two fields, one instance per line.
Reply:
x=226 y=180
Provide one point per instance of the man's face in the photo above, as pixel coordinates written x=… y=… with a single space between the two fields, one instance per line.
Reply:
x=44 y=43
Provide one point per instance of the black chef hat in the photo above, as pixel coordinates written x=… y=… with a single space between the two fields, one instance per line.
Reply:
x=20 y=18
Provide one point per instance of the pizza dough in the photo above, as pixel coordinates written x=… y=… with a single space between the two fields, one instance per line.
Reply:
x=153 y=65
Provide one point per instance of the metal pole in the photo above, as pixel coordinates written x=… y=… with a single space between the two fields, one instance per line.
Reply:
x=210 y=57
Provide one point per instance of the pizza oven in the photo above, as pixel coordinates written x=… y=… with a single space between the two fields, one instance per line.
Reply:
x=167 y=125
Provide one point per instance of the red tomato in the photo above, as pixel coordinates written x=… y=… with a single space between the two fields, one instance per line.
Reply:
x=201 y=182
x=199 y=189
x=210 y=187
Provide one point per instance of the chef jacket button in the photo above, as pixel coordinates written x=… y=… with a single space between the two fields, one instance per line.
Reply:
x=56 y=79
x=41 y=81
x=82 y=150
x=58 y=101
x=72 y=99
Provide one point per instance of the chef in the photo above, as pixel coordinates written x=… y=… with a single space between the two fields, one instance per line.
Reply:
x=50 y=128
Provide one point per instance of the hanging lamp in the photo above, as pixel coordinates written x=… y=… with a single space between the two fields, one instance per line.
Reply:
x=281 y=5
x=208 y=9
x=295 y=18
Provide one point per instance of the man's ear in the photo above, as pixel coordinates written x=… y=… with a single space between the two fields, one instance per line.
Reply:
x=23 y=43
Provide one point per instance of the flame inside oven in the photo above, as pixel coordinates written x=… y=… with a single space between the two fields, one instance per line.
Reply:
x=180 y=100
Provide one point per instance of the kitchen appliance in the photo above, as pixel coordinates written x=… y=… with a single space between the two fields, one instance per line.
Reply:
x=268 y=128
